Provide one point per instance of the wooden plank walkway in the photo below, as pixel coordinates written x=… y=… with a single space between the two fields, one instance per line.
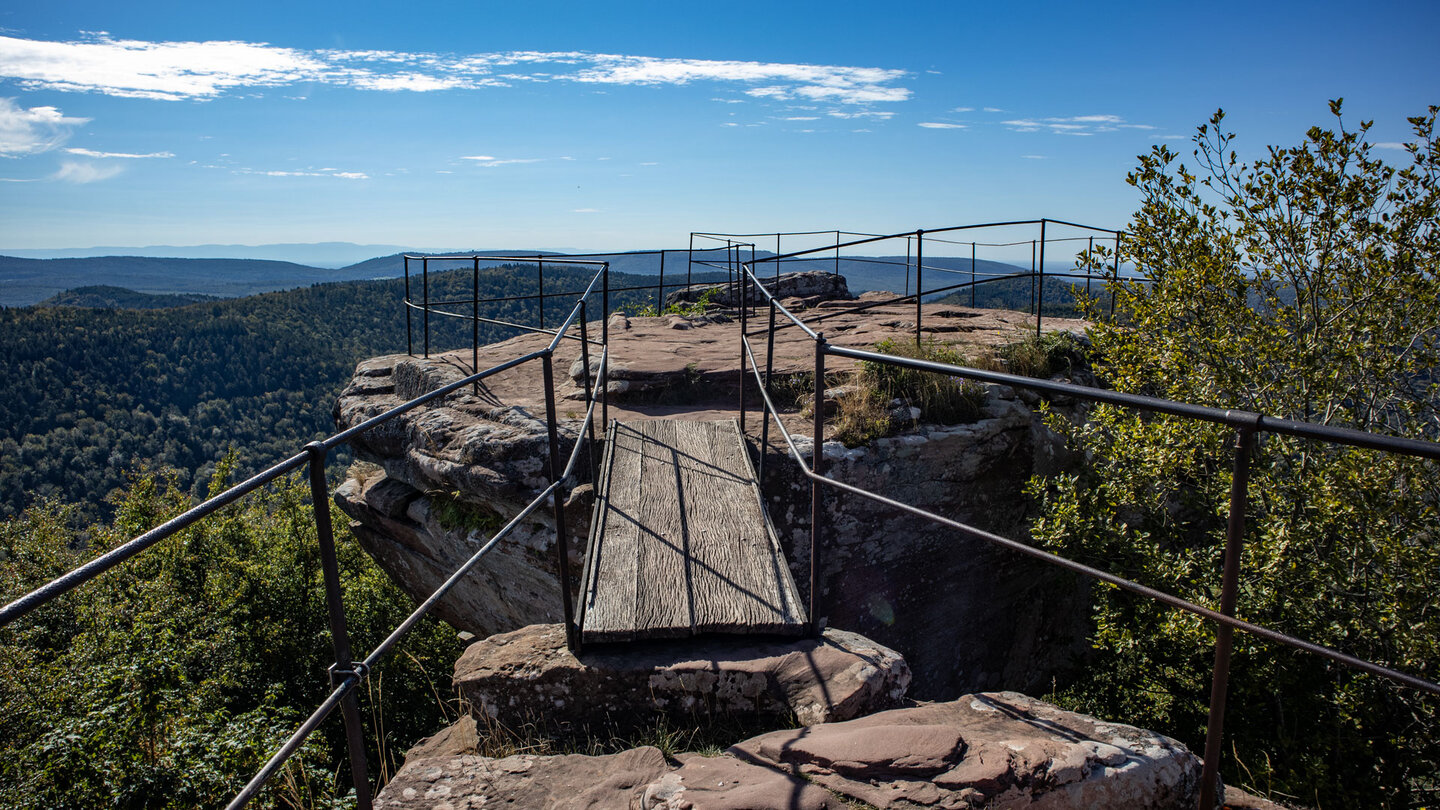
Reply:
x=680 y=544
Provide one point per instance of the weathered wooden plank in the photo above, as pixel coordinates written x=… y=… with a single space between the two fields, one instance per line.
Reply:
x=681 y=500
x=666 y=606
x=728 y=594
x=610 y=605
x=761 y=569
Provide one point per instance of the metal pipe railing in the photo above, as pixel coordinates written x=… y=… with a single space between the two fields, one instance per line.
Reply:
x=1246 y=426
x=347 y=673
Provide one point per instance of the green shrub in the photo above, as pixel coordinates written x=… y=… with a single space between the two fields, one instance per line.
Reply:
x=170 y=680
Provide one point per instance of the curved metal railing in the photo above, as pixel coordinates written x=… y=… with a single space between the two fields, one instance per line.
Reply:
x=1245 y=424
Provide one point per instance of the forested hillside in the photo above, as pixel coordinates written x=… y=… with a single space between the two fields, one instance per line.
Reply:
x=90 y=394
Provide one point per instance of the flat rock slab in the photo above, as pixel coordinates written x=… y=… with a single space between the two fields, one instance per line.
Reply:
x=987 y=750
x=528 y=676
x=991 y=749
x=638 y=778
x=524 y=781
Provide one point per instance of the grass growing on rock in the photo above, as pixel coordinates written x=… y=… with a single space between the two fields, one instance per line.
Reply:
x=1044 y=356
x=707 y=736
x=868 y=409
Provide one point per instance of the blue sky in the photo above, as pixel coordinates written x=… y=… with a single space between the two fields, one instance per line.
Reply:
x=628 y=125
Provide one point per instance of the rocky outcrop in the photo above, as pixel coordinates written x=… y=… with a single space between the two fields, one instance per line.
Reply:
x=986 y=750
x=807 y=288
x=969 y=617
x=444 y=479
x=638 y=778
x=983 y=750
x=529 y=676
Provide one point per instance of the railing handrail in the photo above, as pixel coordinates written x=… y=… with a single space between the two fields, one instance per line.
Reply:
x=1246 y=424
x=347 y=674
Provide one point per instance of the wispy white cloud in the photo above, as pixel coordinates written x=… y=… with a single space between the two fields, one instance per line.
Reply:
x=964 y=109
x=34 y=130
x=202 y=70
x=76 y=172
x=94 y=154
x=305 y=173
x=158 y=70
x=1390 y=145
x=585 y=210
x=1034 y=157
x=490 y=162
x=878 y=115
x=1080 y=125
x=801 y=118
x=991 y=109
x=843 y=84
x=940 y=125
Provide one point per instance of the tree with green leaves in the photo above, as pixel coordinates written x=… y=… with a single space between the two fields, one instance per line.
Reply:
x=169 y=681
x=1303 y=284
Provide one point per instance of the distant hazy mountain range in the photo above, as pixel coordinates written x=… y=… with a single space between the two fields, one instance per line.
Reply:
x=26 y=280
x=315 y=254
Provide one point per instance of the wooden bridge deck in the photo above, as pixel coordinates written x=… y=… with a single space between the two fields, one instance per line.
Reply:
x=680 y=544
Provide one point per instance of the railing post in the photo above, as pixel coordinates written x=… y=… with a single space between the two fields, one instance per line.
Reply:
x=475 y=321
x=660 y=288
x=837 y=254
x=972 y=275
x=817 y=467
x=562 y=541
x=919 y=284
x=689 y=268
x=744 y=323
x=339 y=636
x=765 y=414
x=1224 y=634
x=605 y=342
x=409 y=341
x=1040 y=295
x=425 y=285
x=590 y=415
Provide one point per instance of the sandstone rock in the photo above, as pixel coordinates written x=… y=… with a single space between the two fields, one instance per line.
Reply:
x=727 y=783
x=528 y=675
x=986 y=750
x=813 y=286
x=525 y=781
x=457 y=739
x=515 y=583
x=969 y=617
x=638 y=778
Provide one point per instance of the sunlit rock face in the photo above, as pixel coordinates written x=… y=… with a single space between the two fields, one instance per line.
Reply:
x=968 y=615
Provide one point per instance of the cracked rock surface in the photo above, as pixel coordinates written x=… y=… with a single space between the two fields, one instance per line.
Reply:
x=528 y=675
x=986 y=750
